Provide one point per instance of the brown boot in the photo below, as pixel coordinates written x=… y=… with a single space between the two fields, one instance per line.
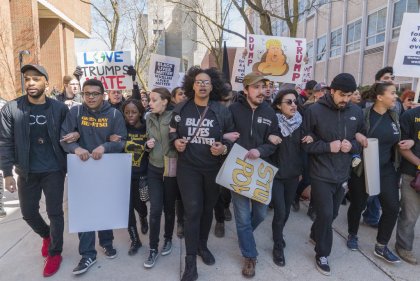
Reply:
x=248 y=269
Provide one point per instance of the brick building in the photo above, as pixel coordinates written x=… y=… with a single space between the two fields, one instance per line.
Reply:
x=45 y=28
x=355 y=36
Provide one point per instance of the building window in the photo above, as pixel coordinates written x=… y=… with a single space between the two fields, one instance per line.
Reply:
x=157 y=32
x=400 y=7
x=335 y=44
x=301 y=9
x=353 y=35
x=322 y=2
x=310 y=51
x=321 y=48
x=376 y=27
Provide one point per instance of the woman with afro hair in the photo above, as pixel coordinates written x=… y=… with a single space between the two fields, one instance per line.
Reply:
x=197 y=128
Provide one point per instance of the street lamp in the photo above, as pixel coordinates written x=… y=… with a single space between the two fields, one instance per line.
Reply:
x=21 y=53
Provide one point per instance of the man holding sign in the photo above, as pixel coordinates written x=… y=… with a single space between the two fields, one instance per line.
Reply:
x=255 y=121
x=95 y=121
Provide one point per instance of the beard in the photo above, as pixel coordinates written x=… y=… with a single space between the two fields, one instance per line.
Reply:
x=36 y=95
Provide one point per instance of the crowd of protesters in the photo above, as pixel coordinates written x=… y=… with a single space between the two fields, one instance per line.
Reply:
x=179 y=141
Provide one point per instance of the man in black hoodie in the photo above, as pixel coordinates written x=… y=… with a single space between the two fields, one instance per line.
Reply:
x=96 y=121
x=333 y=123
x=255 y=121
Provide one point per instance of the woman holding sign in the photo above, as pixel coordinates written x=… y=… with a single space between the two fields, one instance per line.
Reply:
x=381 y=123
x=197 y=129
x=287 y=159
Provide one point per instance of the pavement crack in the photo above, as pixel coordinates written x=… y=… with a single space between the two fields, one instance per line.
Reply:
x=15 y=244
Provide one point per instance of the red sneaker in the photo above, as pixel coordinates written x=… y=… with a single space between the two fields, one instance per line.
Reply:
x=45 y=245
x=52 y=264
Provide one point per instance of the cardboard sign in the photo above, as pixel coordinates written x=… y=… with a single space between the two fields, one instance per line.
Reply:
x=280 y=59
x=407 y=56
x=98 y=192
x=250 y=178
x=108 y=66
x=307 y=76
x=238 y=70
x=163 y=72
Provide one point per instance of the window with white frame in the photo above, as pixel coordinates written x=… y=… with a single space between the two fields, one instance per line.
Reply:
x=376 y=27
x=354 y=31
x=321 y=48
x=400 y=7
x=335 y=43
x=310 y=51
x=301 y=9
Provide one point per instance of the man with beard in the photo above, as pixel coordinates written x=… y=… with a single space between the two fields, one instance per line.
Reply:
x=255 y=121
x=30 y=141
x=333 y=123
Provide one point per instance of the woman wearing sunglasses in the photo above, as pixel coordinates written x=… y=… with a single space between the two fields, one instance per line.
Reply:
x=287 y=159
x=407 y=99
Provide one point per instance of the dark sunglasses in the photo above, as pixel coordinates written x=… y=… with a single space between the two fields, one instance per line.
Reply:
x=289 y=102
x=410 y=99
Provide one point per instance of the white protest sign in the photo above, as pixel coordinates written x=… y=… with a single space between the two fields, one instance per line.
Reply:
x=280 y=59
x=371 y=166
x=238 y=70
x=250 y=178
x=407 y=56
x=98 y=192
x=307 y=76
x=163 y=72
x=108 y=66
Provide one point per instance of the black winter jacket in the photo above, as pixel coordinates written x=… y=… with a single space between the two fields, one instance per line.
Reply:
x=14 y=134
x=326 y=123
x=255 y=126
x=287 y=156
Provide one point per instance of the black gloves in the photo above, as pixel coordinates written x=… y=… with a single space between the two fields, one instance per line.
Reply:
x=78 y=72
x=132 y=72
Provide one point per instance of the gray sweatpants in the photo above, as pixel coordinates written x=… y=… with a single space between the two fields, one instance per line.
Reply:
x=410 y=211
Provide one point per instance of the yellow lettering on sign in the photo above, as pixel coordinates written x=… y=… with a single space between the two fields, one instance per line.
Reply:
x=242 y=177
x=416 y=119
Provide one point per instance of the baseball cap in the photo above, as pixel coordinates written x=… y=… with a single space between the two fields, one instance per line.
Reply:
x=344 y=82
x=310 y=84
x=36 y=67
x=254 y=77
x=320 y=86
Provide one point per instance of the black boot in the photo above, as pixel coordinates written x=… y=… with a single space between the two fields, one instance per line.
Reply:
x=205 y=253
x=190 y=272
x=135 y=240
x=278 y=255
x=144 y=225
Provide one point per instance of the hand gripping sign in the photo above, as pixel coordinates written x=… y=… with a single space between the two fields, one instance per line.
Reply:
x=250 y=178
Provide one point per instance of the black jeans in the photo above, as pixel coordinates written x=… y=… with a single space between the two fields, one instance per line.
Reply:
x=199 y=193
x=179 y=207
x=29 y=191
x=389 y=199
x=282 y=197
x=162 y=192
x=135 y=203
x=306 y=180
x=326 y=198
x=222 y=203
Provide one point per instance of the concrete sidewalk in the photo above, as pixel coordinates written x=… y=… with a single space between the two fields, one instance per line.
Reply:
x=20 y=257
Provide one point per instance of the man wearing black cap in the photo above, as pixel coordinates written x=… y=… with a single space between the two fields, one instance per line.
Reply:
x=333 y=123
x=30 y=141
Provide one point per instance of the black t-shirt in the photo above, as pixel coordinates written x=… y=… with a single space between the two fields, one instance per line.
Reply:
x=135 y=144
x=387 y=134
x=41 y=153
x=410 y=129
x=197 y=152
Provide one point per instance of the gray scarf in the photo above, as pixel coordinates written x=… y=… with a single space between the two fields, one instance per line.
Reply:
x=288 y=126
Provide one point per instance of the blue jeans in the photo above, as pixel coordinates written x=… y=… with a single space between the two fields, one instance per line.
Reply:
x=248 y=215
x=372 y=213
x=87 y=242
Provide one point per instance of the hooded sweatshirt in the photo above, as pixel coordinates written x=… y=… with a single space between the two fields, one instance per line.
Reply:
x=94 y=128
x=255 y=126
x=325 y=122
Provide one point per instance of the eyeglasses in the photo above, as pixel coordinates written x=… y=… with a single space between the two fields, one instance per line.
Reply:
x=410 y=99
x=92 y=95
x=289 y=102
x=202 y=82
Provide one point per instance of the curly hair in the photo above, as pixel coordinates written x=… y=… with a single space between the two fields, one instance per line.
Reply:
x=378 y=88
x=219 y=88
